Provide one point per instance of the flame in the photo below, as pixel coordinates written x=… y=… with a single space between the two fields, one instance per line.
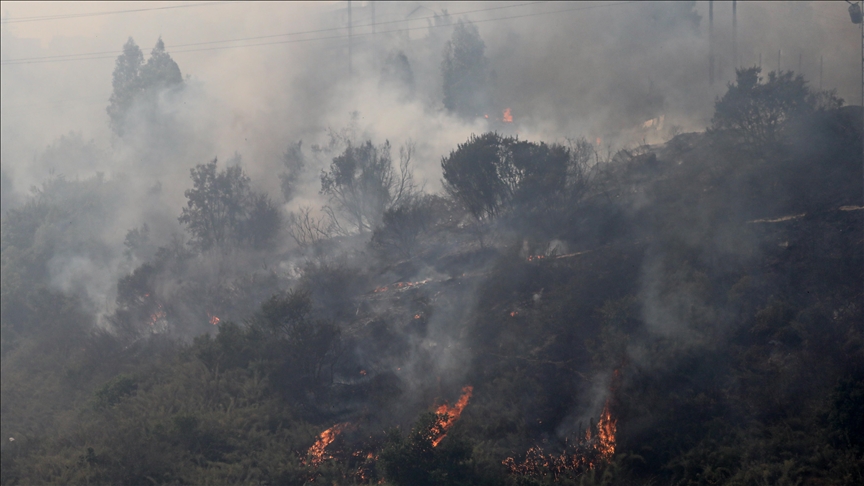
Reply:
x=158 y=315
x=508 y=118
x=606 y=429
x=213 y=319
x=451 y=415
x=486 y=116
x=316 y=452
x=531 y=258
x=400 y=285
x=599 y=140
x=589 y=453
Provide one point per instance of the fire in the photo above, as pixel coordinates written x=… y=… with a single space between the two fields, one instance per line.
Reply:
x=486 y=116
x=531 y=258
x=508 y=117
x=213 y=319
x=451 y=415
x=590 y=452
x=158 y=315
x=400 y=285
x=316 y=452
x=599 y=140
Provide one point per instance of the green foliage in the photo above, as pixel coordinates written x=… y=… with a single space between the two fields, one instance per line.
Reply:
x=403 y=225
x=758 y=115
x=361 y=184
x=490 y=174
x=222 y=209
x=216 y=205
x=413 y=460
x=115 y=390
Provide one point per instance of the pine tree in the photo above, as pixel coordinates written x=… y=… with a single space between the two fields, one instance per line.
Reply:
x=126 y=84
x=160 y=71
x=134 y=79
x=465 y=72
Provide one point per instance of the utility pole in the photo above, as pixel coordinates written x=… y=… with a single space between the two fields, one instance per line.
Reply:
x=372 y=6
x=710 y=41
x=735 y=35
x=778 y=61
x=350 y=44
x=857 y=16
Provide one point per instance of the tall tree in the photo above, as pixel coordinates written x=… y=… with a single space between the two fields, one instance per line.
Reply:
x=465 y=72
x=134 y=79
x=161 y=71
x=126 y=84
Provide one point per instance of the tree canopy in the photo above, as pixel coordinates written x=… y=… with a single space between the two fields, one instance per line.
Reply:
x=757 y=114
x=134 y=81
x=362 y=183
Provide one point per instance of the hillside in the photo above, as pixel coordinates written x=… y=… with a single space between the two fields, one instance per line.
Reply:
x=687 y=313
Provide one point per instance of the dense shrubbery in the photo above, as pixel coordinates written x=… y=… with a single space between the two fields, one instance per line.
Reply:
x=718 y=317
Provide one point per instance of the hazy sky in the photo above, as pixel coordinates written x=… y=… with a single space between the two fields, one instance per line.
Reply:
x=566 y=69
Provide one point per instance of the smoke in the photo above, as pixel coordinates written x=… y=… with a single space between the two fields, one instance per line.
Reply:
x=600 y=70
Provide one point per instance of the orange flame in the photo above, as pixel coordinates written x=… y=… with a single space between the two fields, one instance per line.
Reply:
x=451 y=415
x=213 y=319
x=316 y=452
x=599 y=140
x=508 y=117
x=587 y=454
x=158 y=315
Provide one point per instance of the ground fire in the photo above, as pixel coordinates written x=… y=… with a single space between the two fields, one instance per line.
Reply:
x=451 y=415
x=592 y=450
x=315 y=454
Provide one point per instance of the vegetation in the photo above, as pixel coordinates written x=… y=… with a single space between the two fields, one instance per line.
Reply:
x=666 y=316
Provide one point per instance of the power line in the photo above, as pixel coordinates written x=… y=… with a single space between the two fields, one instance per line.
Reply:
x=242 y=39
x=42 y=18
x=94 y=56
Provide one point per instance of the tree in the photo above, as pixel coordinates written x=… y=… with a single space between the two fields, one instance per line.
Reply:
x=465 y=72
x=264 y=222
x=305 y=229
x=403 y=225
x=294 y=163
x=216 y=205
x=414 y=460
x=126 y=83
x=161 y=71
x=306 y=348
x=135 y=81
x=396 y=75
x=362 y=183
x=756 y=115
